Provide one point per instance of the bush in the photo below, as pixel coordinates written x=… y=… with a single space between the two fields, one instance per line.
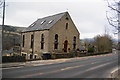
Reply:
x=91 y=50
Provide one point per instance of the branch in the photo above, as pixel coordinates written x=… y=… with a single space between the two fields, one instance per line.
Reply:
x=114 y=9
x=110 y=22
x=110 y=6
x=1 y=3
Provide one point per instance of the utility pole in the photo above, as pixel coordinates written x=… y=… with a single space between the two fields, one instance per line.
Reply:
x=3 y=13
x=2 y=35
x=3 y=19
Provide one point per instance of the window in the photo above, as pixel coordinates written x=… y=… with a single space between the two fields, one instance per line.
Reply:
x=23 y=40
x=67 y=18
x=42 y=22
x=74 y=42
x=35 y=56
x=56 y=42
x=32 y=41
x=32 y=24
x=50 y=21
x=42 y=41
x=66 y=25
x=42 y=45
x=24 y=55
x=31 y=56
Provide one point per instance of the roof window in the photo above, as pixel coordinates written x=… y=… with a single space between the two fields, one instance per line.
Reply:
x=43 y=22
x=50 y=21
x=32 y=24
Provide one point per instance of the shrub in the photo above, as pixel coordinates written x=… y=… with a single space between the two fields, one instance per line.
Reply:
x=90 y=49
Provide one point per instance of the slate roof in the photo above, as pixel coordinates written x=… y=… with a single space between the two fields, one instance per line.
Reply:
x=44 y=23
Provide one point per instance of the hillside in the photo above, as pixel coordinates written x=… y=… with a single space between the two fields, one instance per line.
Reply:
x=11 y=37
x=12 y=28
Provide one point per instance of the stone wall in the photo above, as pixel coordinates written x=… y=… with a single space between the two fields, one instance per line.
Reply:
x=64 y=34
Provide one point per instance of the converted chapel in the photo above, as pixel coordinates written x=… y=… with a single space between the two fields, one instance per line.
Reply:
x=54 y=34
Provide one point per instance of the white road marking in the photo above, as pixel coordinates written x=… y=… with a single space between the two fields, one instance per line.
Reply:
x=30 y=75
x=93 y=68
x=94 y=62
x=38 y=74
x=73 y=67
x=13 y=67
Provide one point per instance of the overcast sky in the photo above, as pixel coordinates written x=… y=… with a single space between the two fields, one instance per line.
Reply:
x=89 y=16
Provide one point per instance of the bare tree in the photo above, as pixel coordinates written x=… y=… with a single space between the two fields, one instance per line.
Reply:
x=1 y=8
x=113 y=14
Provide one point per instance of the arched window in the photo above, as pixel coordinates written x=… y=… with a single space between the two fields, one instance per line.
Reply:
x=56 y=41
x=42 y=37
x=56 y=38
x=23 y=39
x=74 y=42
x=74 y=39
x=66 y=25
x=42 y=41
x=32 y=41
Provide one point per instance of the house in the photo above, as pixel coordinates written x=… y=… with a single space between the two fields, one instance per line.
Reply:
x=11 y=39
x=53 y=34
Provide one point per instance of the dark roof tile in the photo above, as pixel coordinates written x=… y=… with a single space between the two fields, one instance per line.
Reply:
x=44 y=23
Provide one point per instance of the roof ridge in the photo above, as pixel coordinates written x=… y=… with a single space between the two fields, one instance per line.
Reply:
x=53 y=15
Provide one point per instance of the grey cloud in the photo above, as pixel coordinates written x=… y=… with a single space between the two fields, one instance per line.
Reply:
x=89 y=17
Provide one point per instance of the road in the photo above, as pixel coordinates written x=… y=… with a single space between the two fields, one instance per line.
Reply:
x=89 y=67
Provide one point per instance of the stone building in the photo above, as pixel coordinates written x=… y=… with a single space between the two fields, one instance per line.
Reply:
x=52 y=34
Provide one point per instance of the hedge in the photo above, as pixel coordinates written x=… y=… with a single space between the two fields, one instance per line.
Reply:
x=13 y=59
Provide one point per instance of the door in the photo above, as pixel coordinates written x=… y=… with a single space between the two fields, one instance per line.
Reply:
x=65 y=46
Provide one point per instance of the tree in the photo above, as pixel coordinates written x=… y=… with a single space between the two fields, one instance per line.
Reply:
x=1 y=5
x=113 y=14
x=103 y=43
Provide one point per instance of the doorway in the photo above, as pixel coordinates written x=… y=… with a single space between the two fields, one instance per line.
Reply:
x=65 y=45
